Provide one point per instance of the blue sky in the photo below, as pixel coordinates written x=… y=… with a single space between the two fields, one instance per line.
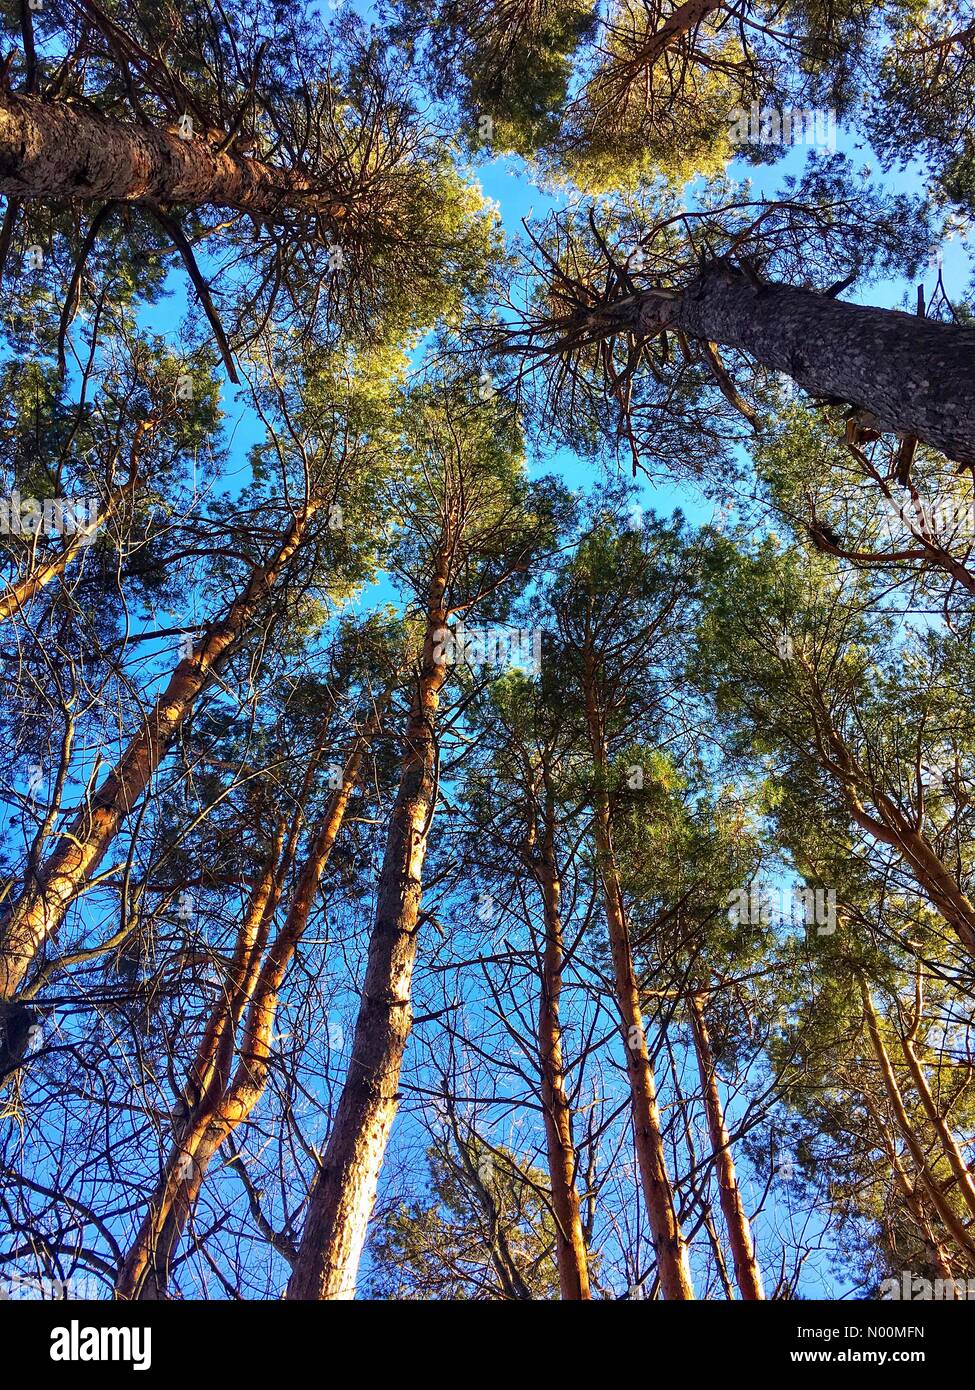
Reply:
x=509 y=185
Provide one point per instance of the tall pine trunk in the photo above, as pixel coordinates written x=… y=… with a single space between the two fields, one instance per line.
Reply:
x=917 y=376
x=344 y=1189
x=570 y=1241
x=956 y=1159
x=80 y=850
x=673 y=1265
x=225 y=1105
x=747 y=1274
x=57 y=152
x=887 y=823
x=911 y=1195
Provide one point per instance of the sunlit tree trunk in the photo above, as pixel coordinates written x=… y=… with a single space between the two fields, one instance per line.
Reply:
x=942 y=1206
x=15 y=597
x=887 y=823
x=679 y=23
x=225 y=1104
x=747 y=1274
x=81 y=848
x=668 y=1239
x=57 y=151
x=570 y=1240
x=909 y=1192
x=956 y=1159
x=344 y=1189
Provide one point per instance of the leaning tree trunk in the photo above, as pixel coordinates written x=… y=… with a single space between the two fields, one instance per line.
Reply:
x=54 y=151
x=956 y=1159
x=673 y=1265
x=888 y=823
x=15 y=597
x=747 y=1274
x=570 y=1241
x=80 y=850
x=916 y=376
x=909 y=1192
x=681 y=21
x=952 y=1221
x=344 y=1190
x=225 y=1105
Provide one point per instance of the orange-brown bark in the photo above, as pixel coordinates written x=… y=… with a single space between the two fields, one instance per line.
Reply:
x=16 y=597
x=953 y=1223
x=344 y=1189
x=570 y=1240
x=673 y=1263
x=225 y=1103
x=747 y=1274
x=956 y=1159
x=82 y=847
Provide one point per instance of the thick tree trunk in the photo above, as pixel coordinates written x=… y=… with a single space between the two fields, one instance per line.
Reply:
x=915 y=375
x=747 y=1273
x=570 y=1240
x=673 y=1265
x=344 y=1190
x=80 y=850
x=57 y=152
x=225 y=1106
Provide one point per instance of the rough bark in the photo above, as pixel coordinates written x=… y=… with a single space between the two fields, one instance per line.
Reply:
x=673 y=1264
x=562 y=1166
x=915 y=375
x=82 y=847
x=57 y=152
x=747 y=1274
x=344 y=1189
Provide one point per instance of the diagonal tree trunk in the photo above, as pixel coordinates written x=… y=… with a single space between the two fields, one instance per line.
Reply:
x=681 y=21
x=58 y=152
x=887 y=823
x=910 y=1194
x=226 y=1104
x=145 y=1273
x=76 y=856
x=344 y=1190
x=570 y=1240
x=953 y=1223
x=916 y=376
x=956 y=1159
x=15 y=597
x=747 y=1274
